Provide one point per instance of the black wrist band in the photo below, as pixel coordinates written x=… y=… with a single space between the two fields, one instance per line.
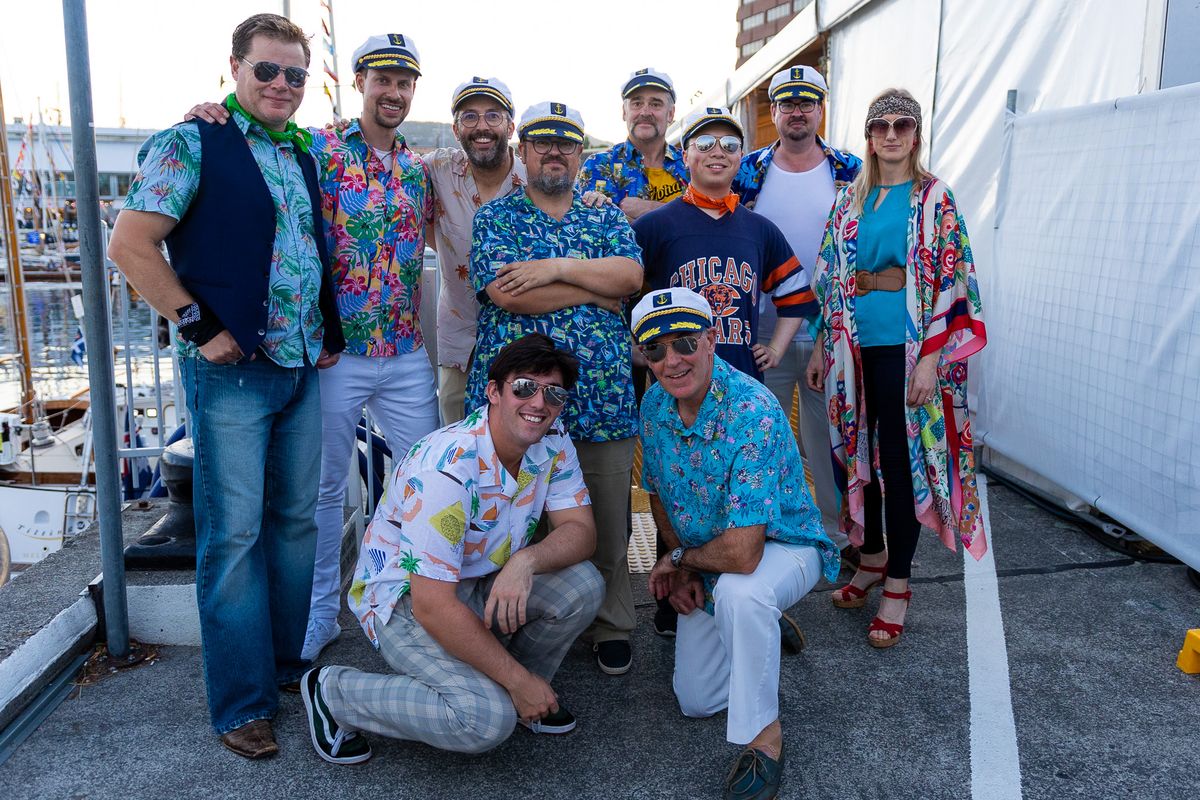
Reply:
x=197 y=324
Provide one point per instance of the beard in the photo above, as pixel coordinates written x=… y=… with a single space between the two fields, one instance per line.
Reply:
x=384 y=122
x=487 y=155
x=551 y=185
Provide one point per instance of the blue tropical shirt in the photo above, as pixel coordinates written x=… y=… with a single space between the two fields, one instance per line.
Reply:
x=510 y=229
x=166 y=183
x=737 y=465
x=619 y=172
x=753 y=171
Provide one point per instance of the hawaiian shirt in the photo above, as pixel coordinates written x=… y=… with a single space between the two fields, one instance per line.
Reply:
x=167 y=180
x=737 y=465
x=456 y=199
x=375 y=221
x=619 y=172
x=452 y=512
x=753 y=171
x=602 y=407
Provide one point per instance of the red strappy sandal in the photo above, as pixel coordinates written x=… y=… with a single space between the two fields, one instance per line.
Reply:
x=892 y=629
x=854 y=597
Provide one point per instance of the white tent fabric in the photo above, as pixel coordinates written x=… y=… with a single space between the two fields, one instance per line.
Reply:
x=1094 y=375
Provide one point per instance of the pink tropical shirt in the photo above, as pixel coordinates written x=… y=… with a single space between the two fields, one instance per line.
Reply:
x=375 y=216
x=456 y=201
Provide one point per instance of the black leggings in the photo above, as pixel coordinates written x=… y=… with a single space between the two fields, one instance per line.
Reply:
x=883 y=390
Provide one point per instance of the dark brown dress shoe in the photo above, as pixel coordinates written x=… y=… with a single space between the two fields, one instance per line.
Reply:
x=253 y=740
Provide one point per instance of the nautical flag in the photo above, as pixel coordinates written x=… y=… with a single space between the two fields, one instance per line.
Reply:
x=325 y=28
x=330 y=73
x=79 y=348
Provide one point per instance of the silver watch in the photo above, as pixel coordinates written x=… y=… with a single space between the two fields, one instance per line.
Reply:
x=677 y=557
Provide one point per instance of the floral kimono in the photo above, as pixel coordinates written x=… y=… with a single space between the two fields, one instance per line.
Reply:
x=944 y=314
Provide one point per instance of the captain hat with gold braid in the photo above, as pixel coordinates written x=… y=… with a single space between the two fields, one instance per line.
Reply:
x=485 y=87
x=387 y=51
x=675 y=310
x=551 y=120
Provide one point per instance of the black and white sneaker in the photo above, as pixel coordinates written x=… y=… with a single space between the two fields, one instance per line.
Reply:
x=334 y=743
x=556 y=722
x=614 y=657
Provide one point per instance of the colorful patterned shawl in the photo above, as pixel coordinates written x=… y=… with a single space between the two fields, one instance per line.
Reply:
x=944 y=313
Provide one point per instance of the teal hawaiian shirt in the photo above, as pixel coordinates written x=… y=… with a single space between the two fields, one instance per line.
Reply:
x=736 y=466
x=166 y=183
x=753 y=170
x=619 y=173
x=510 y=229
x=375 y=226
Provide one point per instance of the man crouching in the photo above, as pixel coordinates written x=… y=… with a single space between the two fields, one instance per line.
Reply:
x=473 y=618
x=728 y=494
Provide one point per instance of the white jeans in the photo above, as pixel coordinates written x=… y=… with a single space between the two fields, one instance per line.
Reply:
x=400 y=393
x=731 y=660
x=814 y=431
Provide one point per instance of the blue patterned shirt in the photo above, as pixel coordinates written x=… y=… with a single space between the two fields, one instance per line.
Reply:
x=619 y=172
x=753 y=171
x=736 y=466
x=166 y=183
x=510 y=229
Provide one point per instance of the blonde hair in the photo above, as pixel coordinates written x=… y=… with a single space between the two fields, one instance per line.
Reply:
x=868 y=176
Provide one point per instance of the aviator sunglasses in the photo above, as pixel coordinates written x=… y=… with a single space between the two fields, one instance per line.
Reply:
x=525 y=388
x=684 y=345
x=879 y=127
x=706 y=141
x=266 y=71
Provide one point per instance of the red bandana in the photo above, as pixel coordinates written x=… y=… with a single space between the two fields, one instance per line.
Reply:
x=726 y=204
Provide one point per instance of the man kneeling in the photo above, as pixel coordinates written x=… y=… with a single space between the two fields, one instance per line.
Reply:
x=473 y=618
x=728 y=494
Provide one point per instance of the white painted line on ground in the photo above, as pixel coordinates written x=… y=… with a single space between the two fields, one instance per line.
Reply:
x=995 y=762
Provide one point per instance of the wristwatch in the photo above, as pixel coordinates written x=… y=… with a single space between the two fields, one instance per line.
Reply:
x=677 y=557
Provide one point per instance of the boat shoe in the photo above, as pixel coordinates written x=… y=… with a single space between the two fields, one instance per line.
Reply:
x=755 y=776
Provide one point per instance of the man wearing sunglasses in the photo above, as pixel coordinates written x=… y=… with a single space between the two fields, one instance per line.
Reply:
x=792 y=182
x=644 y=171
x=482 y=168
x=471 y=614
x=728 y=496
x=376 y=202
x=250 y=288
x=542 y=260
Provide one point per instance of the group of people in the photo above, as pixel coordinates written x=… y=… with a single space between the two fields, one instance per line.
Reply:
x=796 y=272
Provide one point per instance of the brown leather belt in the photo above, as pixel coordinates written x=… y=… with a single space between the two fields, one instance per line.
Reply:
x=887 y=280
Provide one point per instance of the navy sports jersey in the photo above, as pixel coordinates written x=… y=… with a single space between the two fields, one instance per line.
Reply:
x=730 y=260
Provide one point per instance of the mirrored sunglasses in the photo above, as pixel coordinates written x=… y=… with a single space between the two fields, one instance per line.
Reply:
x=684 y=345
x=525 y=388
x=706 y=141
x=266 y=71
x=879 y=127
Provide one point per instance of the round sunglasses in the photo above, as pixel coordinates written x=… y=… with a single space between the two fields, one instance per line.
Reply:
x=525 y=388
x=706 y=141
x=266 y=71
x=879 y=127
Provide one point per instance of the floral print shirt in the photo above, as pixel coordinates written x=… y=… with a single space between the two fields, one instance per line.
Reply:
x=619 y=172
x=451 y=512
x=510 y=229
x=737 y=465
x=375 y=221
x=167 y=180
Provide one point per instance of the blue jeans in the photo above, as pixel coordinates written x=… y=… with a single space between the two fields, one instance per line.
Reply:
x=256 y=429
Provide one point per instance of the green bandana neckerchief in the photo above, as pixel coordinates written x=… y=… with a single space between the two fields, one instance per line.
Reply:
x=300 y=138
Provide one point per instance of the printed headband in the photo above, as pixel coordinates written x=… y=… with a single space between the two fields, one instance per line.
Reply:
x=894 y=104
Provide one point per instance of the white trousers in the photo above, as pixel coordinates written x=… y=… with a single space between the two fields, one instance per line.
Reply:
x=814 y=432
x=400 y=393
x=731 y=660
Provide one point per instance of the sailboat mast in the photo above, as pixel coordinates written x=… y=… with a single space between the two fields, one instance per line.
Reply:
x=16 y=280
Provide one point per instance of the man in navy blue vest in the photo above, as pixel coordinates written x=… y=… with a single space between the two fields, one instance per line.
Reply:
x=239 y=207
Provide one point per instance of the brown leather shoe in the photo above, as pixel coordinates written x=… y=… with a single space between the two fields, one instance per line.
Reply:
x=850 y=557
x=253 y=740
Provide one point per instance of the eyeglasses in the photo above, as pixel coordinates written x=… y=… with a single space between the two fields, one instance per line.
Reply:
x=493 y=119
x=525 y=388
x=878 y=128
x=266 y=71
x=684 y=346
x=544 y=146
x=790 y=106
x=706 y=141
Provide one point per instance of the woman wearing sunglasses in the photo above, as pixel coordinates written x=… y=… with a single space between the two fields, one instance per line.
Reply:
x=900 y=314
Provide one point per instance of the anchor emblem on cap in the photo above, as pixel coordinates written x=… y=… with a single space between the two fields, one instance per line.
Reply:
x=397 y=39
x=662 y=299
x=559 y=109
